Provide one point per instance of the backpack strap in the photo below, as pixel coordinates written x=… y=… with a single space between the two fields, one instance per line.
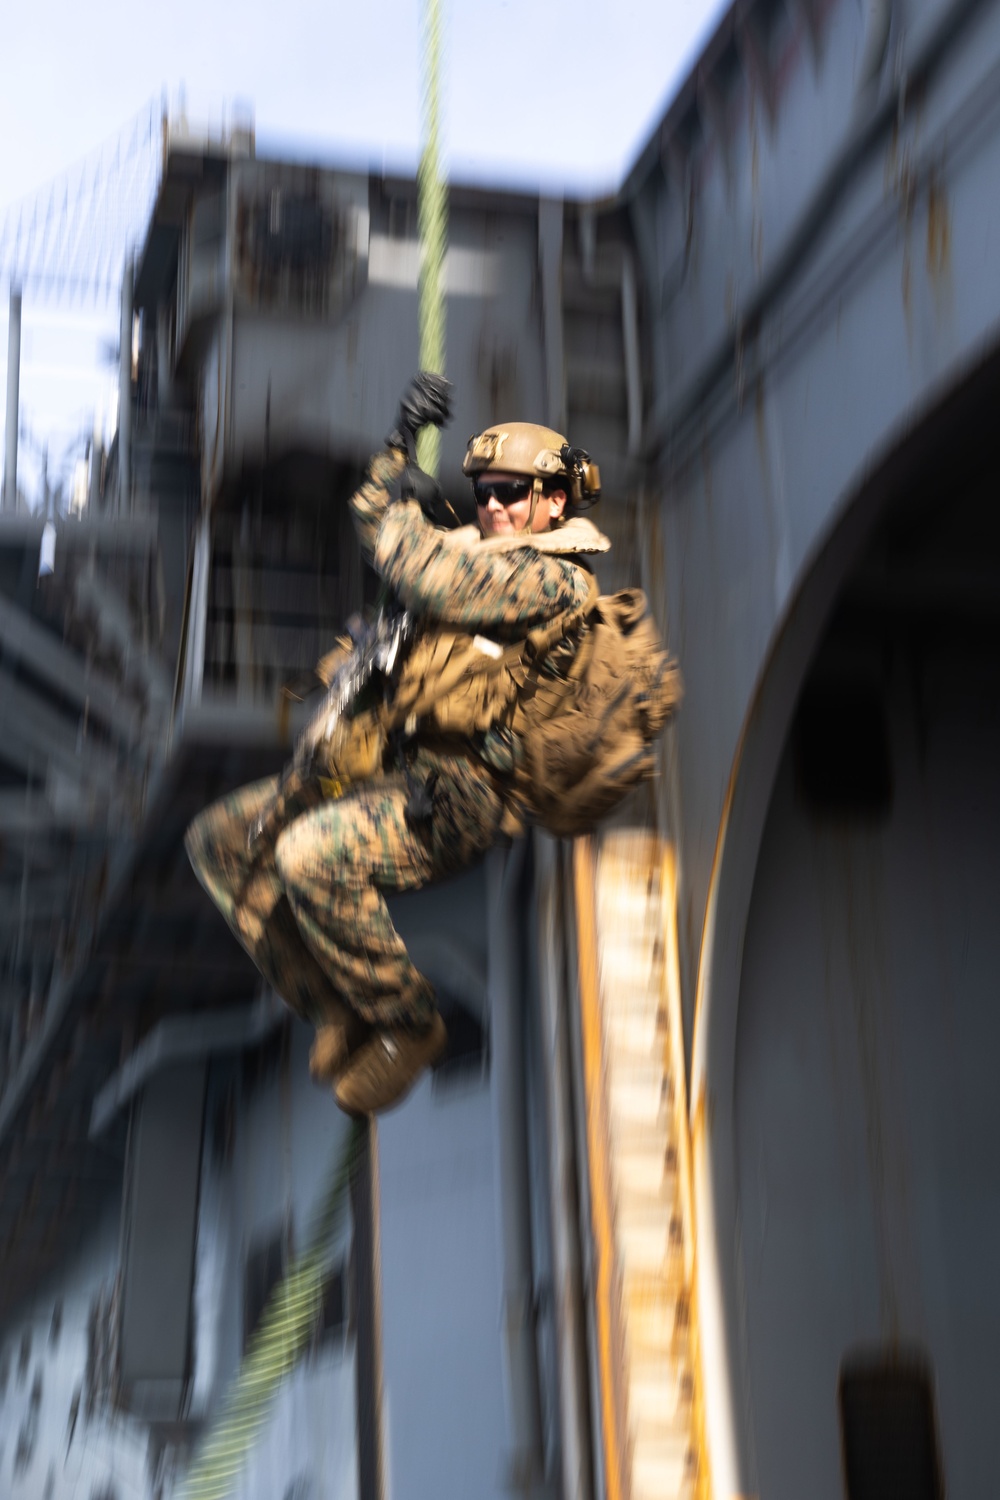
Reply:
x=541 y=640
x=544 y=637
x=540 y=697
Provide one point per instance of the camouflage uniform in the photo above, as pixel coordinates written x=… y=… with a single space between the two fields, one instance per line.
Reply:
x=311 y=911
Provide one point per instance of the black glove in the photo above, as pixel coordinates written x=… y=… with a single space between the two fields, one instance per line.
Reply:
x=427 y=399
x=416 y=484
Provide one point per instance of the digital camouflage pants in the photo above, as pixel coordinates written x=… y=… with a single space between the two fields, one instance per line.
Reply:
x=310 y=908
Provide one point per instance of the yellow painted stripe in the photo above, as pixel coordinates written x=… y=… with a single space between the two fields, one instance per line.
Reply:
x=593 y=1071
x=676 y=1055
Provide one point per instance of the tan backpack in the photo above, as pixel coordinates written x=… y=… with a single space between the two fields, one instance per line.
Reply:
x=589 y=741
x=587 y=737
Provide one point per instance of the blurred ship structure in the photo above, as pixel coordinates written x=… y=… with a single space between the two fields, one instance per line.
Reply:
x=702 y=1201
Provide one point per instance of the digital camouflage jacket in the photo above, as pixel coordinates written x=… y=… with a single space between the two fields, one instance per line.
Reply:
x=504 y=585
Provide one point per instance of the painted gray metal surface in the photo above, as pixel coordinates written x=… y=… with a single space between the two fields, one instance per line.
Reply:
x=444 y=1400
x=777 y=402
x=509 y=994
x=272 y=1139
x=866 y=1106
x=542 y=315
x=53 y=1441
x=159 y=1230
x=895 y=301
x=267 y=1150
x=182 y=1038
x=440 y=1239
x=332 y=387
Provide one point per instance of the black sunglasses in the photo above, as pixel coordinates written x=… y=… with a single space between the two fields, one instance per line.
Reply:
x=506 y=491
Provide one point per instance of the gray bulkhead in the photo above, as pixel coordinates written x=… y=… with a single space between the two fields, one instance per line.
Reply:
x=814 y=246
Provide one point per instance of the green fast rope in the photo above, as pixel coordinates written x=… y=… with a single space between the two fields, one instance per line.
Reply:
x=432 y=218
x=293 y=1307
x=286 y=1325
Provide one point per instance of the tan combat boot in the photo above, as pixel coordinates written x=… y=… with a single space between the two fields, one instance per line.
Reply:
x=384 y=1069
x=334 y=1043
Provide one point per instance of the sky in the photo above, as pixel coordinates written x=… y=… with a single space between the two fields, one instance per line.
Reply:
x=542 y=93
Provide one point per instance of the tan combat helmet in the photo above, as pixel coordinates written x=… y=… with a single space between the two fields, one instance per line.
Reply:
x=526 y=448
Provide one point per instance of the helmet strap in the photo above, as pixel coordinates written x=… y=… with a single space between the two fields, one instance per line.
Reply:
x=536 y=491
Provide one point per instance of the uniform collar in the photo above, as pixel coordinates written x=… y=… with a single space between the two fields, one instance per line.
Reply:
x=574 y=536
